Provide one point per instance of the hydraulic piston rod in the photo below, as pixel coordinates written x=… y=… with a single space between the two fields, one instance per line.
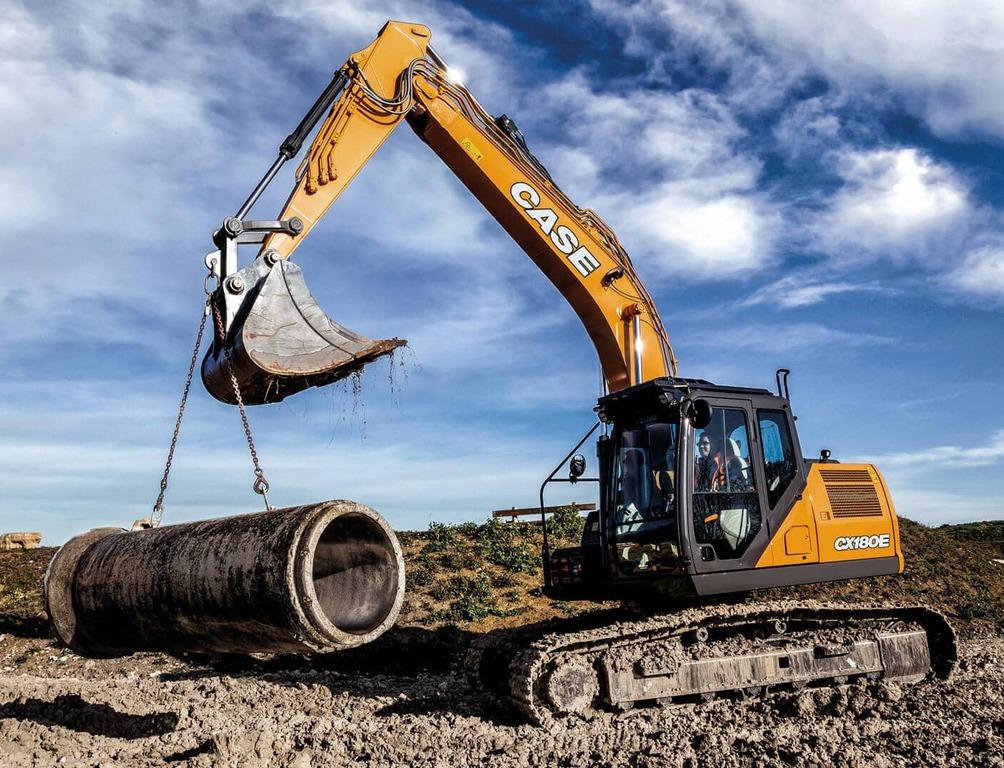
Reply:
x=321 y=577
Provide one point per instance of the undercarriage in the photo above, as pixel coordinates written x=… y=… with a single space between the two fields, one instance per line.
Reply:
x=747 y=650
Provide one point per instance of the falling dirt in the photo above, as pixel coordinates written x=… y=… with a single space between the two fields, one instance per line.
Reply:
x=358 y=404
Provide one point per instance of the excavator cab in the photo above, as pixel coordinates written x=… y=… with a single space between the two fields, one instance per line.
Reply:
x=272 y=338
x=703 y=490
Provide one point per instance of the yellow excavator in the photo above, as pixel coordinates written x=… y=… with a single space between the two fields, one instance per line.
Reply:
x=703 y=489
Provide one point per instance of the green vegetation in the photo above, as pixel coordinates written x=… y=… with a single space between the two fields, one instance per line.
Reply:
x=471 y=598
x=489 y=574
x=509 y=545
x=473 y=571
x=989 y=533
x=566 y=526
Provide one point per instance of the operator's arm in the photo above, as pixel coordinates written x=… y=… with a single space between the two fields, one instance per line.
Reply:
x=398 y=76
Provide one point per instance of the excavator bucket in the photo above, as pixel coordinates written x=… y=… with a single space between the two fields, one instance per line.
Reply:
x=279 y=341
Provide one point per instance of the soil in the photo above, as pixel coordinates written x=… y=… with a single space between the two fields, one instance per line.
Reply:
x=403 y=700
x=406 y=704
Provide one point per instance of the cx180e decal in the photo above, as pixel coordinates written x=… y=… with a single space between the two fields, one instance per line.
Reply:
x=844 y=543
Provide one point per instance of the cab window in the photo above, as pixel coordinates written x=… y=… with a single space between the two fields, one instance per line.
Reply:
x=778 y=455
x=644 y=498
x=726 y=506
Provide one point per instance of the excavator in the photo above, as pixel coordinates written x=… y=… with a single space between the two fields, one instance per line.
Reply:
x=703 y=489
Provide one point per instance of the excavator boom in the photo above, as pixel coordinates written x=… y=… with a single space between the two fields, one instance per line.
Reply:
x=277 y=338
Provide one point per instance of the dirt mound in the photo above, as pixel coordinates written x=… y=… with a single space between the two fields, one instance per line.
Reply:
x=482 y=577
x=987 y=532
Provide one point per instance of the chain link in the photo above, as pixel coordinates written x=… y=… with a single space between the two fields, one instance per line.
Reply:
x=260 y=485
x=158 y=508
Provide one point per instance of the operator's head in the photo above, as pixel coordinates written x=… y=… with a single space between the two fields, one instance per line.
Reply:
x=704 y=445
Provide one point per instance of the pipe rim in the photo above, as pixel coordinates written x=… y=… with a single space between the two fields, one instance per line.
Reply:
x=57 y=587
x=308 y=604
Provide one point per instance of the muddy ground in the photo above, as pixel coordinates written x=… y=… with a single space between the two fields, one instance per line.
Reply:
x=408 y=706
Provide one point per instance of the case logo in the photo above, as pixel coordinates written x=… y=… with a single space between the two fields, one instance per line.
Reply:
x=564 y=239
x=844 y=543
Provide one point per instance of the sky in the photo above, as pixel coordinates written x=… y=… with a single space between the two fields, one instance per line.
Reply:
x=815 y=185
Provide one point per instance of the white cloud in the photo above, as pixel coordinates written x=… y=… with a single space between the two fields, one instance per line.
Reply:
x=860 y=60
x=798 y=337
x=808 y=126
x=892 y=202
x=948 y=456
x=981 y=274
x=665 y=170
x=943 y=61
x=698 y=236
x=118 y=151
x=799 y=291
x=921 y=487
x=712 y=34
x=934 y=507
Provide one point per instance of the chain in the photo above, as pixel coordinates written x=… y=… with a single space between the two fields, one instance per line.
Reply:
x=260 y=485
x=158 y=507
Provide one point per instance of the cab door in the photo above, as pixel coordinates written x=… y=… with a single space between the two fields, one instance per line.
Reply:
x=724 y=499
x=789 y=517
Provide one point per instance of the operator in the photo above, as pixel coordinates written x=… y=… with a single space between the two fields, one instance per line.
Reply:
x=709 y=473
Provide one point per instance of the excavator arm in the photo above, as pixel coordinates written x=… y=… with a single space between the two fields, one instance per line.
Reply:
x=397 y=78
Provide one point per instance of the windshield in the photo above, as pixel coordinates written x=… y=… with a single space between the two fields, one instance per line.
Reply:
x=644 y=497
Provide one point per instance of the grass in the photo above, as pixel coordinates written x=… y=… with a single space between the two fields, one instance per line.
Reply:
x=987 y=532
x=488 y=575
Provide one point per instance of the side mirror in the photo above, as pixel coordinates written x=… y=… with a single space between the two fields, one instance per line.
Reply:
x=576 y=467
x=697 y=412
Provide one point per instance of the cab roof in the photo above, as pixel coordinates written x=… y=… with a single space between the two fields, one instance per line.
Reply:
x=662 y=392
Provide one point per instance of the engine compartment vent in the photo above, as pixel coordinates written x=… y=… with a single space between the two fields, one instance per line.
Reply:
x=845 y=476
x=853 y=499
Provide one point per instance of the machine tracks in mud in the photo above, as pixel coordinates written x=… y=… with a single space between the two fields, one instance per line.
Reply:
x=700 y=653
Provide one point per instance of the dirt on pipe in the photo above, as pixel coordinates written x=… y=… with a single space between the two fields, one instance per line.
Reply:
x=319 y=577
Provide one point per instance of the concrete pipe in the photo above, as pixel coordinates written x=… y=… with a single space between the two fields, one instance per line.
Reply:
x=316 y=578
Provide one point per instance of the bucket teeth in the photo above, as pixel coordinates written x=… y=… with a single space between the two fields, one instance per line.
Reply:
x=281 y=342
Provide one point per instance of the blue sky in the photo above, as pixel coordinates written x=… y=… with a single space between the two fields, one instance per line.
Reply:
x=808 y=184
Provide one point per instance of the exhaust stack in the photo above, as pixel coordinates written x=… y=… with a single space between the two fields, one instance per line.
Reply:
x=317 y=578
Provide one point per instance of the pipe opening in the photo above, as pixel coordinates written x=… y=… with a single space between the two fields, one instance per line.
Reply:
x=355 y=573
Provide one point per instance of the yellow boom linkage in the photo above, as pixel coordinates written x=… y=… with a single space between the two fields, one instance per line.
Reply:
x=272 y=319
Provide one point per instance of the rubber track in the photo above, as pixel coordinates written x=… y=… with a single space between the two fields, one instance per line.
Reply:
x=527 y=666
